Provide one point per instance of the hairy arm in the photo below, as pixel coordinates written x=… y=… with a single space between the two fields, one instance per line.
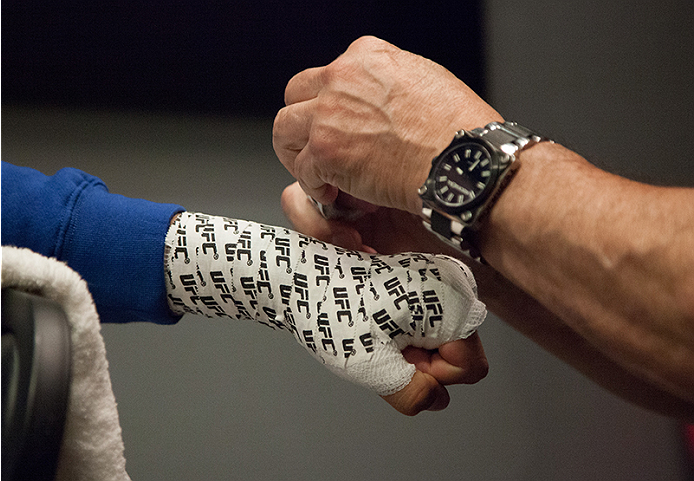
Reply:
x=536 y=322
x=611 y=258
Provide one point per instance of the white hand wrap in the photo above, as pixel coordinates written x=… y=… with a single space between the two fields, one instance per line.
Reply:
x=353 y=311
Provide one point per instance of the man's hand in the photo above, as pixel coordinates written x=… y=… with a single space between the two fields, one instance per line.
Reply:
x=369 y=123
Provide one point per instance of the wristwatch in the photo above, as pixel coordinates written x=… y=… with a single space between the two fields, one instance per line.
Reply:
x=467 y=178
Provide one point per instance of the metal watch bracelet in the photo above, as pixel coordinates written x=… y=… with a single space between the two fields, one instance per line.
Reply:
x=510 y=138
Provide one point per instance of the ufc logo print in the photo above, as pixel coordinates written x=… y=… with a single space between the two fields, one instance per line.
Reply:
x=283 y=247
x=301 y=288
x=342 y=302
x=221 y=284
x=387 y=325
x=321 y=264
x=433 y=306
x=394 y=288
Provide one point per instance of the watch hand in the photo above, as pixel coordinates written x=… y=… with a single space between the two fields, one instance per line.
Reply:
x=472 y=167
x=456 y=186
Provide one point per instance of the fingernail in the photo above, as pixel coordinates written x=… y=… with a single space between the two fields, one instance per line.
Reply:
x=368 y=250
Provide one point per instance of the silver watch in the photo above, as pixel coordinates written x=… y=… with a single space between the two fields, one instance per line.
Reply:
x=466 y=179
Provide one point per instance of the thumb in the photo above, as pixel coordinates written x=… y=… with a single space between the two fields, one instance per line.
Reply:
x=422 y=393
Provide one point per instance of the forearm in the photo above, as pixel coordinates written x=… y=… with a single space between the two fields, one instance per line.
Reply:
x=533 y=320
x=611 y=258
x=115 y=243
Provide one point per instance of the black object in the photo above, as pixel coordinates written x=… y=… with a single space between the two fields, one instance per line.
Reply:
x=467 y=178
x=36 y=353
x=232 y=57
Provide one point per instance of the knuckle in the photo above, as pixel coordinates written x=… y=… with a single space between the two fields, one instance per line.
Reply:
x=278 y=127
x=414 y=402
x=368 y=42
x=339 y=69
x=323 y=141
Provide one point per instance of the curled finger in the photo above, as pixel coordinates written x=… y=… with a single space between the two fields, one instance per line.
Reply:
x=304 y=86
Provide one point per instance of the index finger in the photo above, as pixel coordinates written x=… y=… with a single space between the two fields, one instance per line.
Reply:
x=304 y=86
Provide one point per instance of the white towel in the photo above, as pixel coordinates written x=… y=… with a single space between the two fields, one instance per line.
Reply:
x=92 y=443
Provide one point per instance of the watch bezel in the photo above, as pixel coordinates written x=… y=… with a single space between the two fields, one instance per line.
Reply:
x=496 y=159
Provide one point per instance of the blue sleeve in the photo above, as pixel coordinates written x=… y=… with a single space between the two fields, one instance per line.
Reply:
x=115 y=243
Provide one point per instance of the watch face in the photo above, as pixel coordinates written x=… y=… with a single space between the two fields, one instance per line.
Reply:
x=463 y=173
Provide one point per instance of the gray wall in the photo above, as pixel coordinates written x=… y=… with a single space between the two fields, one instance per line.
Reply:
x=612 y=79
x=211 y=399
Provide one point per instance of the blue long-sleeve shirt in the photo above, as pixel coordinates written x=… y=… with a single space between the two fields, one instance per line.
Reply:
x=115 y=243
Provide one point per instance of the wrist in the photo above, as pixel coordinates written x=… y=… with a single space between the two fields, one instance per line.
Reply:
x=174 y=218
x=467 y=178
x=510 y=233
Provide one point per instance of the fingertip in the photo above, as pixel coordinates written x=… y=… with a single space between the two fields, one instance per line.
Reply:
x=441 y=400
x=368 y=249
x=288 y=196
x=325 y=193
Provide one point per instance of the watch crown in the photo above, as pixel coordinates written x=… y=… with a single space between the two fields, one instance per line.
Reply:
x=422 y=190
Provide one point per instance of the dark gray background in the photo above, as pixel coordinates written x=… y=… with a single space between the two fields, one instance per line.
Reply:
x=211 y=399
